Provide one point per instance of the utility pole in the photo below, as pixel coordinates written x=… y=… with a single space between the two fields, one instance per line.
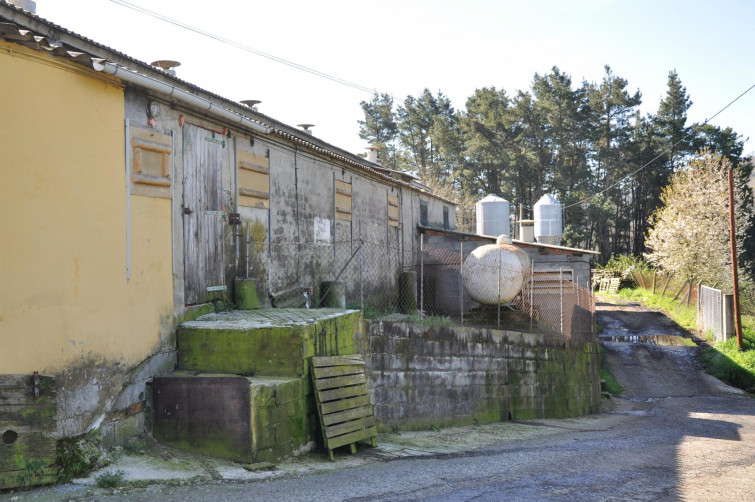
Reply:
x=733 y=239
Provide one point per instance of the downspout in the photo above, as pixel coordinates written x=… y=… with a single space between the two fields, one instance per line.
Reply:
x=128 y=201
x=179 y=94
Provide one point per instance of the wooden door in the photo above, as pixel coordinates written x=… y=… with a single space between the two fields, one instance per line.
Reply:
x=203 y=215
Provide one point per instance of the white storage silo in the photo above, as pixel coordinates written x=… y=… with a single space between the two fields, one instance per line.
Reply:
x=548 y=224
x=492 y=213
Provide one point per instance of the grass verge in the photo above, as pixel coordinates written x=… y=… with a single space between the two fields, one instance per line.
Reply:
x=684 y=316
x=723 y=360
x=726 y=362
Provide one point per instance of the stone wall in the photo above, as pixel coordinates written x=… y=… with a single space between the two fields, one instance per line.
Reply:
x=423 y=376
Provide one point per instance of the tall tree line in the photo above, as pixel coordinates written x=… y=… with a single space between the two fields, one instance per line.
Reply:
x=584 y=143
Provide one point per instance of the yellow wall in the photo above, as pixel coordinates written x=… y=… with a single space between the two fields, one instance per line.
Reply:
x=64 y=298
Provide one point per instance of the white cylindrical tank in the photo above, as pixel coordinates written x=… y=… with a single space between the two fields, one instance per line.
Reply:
x=492 y=213
x=495 y=273
x=548 y=225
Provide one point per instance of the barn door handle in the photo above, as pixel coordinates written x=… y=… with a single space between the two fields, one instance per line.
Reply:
x=187 y=210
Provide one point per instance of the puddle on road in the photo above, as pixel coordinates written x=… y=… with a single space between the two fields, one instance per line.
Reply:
x=662 y=340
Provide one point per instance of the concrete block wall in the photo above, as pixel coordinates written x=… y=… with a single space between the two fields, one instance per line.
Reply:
x=422 y=376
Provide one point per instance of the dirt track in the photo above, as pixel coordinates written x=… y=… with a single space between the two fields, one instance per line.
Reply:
x=669 y=369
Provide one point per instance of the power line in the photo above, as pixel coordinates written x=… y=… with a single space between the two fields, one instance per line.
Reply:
x=666 y=150
x=244 y=47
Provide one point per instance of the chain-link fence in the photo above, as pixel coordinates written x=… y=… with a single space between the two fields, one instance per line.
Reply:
x=390 y=281
x=502 y=291
x=356 y=274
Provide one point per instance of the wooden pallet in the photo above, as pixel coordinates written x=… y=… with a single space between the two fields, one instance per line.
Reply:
x=609 y=285
x=343 y=401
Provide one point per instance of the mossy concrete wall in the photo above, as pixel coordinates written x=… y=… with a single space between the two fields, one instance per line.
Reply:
x=422 y=376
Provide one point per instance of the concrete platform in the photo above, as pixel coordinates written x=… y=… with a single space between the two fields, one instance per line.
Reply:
x=243 y=391
x=266 y=342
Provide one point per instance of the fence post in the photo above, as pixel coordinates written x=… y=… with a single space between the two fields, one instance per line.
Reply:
x=361 y=277
x=532 y=293
x=561 y=294
x=498 y=299
x=579 y=303
x=461 y=281
x=422 y=276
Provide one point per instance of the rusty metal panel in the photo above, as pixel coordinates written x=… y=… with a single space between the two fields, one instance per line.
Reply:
x=210 y=415
x=203 y=214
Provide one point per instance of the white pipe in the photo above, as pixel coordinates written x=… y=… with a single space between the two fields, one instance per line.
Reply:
x=128 y=201
x=180 y=95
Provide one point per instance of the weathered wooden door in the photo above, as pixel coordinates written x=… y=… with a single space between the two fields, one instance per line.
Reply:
x=203 y=214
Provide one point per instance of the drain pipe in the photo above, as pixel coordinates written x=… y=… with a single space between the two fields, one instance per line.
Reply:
x=179 y=94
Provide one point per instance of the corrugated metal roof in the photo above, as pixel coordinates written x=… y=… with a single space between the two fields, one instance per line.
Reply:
x=15 y=24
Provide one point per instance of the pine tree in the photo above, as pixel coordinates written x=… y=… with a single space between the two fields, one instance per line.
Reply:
x=379 y=127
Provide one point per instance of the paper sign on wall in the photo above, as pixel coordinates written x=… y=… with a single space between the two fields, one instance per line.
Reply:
x=322 y=230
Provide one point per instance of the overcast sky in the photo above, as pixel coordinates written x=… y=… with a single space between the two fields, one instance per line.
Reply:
x=401 y=47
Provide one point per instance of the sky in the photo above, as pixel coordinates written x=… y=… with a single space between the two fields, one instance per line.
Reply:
x=401 y=47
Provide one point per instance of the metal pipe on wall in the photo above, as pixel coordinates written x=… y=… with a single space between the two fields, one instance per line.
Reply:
x=128 y=201
x=180 y=95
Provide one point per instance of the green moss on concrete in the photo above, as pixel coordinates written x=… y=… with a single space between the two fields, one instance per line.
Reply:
x=195 y=311
x=264 y=351
x=245 y=294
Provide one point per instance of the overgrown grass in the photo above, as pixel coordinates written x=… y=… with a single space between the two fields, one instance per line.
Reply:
x=432 y=320
x=724 y=360
x=109 y=479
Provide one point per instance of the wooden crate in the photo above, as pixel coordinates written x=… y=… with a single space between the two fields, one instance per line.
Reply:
x=343 y=401
x=27 y=430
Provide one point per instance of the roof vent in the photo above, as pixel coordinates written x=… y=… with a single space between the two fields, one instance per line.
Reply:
x=27 y=5
x=251 y=103
x=167 y=65
x=306 y=128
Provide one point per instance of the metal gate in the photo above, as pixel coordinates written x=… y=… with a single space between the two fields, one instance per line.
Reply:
x=203 y=215
x=710 y=311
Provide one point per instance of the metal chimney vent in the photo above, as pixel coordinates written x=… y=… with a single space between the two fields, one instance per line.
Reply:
x=372 y=154
x=306 y=127
x=251 y=103
x=166 y=65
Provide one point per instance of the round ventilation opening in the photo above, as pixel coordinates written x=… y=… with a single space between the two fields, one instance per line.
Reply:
x=9 y=437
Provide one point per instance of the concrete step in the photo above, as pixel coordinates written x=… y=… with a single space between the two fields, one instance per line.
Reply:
x=244 y=419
